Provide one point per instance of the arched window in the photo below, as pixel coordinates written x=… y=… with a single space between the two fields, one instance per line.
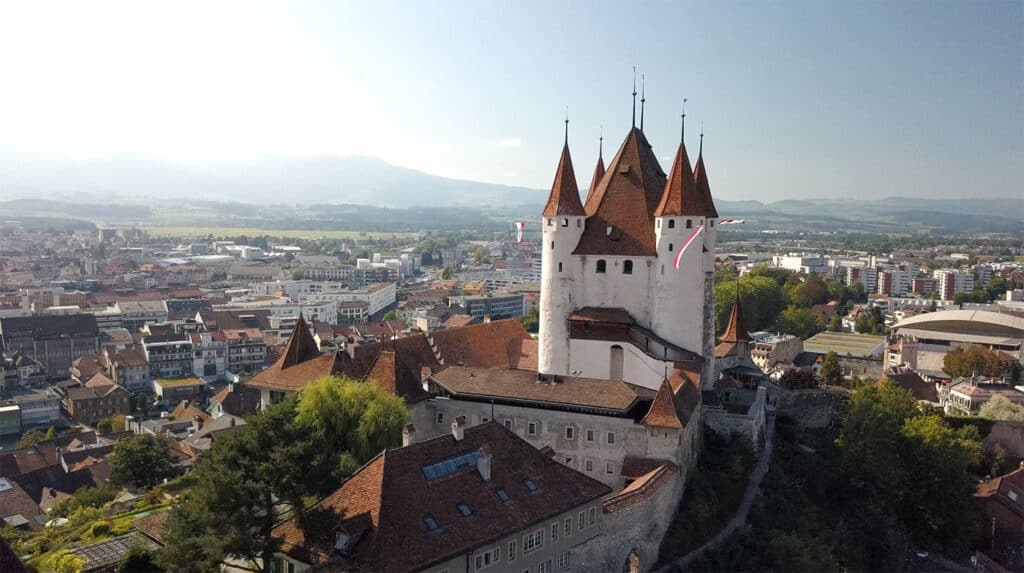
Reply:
x=552 y=245
x=559 y=267
x=671 y=247
x=689 y=223
x=671 y=223
x=602 y=266
x=615 y=363
x=627 y=268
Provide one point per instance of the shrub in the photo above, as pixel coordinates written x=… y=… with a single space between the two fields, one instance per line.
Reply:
x=100 y=529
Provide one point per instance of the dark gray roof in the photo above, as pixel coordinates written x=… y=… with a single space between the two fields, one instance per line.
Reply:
x=49 y=327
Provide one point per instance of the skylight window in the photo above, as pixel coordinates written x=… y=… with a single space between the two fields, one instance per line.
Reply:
x=431 y=523
x=465 y=510
x=503 y=495
x=530 y=486
x=450 y=465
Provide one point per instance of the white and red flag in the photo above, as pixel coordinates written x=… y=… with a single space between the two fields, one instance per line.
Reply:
x=731 y=222
x=686 y=245
x=520 y=227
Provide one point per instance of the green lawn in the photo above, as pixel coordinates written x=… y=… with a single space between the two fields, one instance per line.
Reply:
x=221 y=232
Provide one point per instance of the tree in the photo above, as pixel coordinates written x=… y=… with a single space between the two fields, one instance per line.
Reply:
x=391 y=315
x=811 y=291
x=836 y=324
x=761 y=298
x=138 y=560
x=798 y=321
x=831 y=372
x=31 y=438
x=999 y=407
x=446 y=273
x=798 y=379
x=908 y=466
x=65 y=562
x=104 y=426
x=51 y=433
x=142 y=461
x=531 y=320
x=291 y=452
x=965 y=362
x=298 y=275
x=777 y=274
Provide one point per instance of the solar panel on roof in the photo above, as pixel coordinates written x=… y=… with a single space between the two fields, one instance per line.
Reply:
x=450 y=465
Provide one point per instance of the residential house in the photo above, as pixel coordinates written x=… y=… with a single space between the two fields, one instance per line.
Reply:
x=1002 y=501
x=476 y=498
x=299 y=364
x=98 y=398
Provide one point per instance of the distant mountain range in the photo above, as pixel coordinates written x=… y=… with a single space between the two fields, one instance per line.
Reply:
x=322 y=192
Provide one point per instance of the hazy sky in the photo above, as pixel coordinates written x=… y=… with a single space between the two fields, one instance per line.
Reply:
x=799 y=99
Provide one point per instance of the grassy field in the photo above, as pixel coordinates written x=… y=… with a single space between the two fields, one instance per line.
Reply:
x=219 y=232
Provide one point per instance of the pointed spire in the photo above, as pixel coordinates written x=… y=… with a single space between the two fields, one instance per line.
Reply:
x=566 y=125
x=643 y=98
x=565 y=194
x=700 y=179
x=736 y=331
x=634 y=96
x=679 y=194
x=301 y=346
x=682 y=123
x=599 y=168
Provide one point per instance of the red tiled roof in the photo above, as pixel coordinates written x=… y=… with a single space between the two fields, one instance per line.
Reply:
x=620 y=210
x=153 y=525
x=387 y=499
x=523 y=354
x=736 y=331
x=680 y=196
x=641 y=488
x=565 y=195
x=483 y=345
x=301 y=346
x=700 y=178
x=595 y=180
x=677 y=399
x=238 y=399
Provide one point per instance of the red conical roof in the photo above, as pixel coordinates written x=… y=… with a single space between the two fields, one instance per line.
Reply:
x=700 y=179
x=596 y=179
x=736 y=331
x=301 y=346
x=680 y=196
x=565 y=194
x=621 y=208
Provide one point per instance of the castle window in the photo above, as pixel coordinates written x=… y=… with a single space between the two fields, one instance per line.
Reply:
x=627 y=268
x=602 y=266
x=671 y=223
x=552 y=245
x=559 y=267
x=689 y=223
x=711 y=222
x=671 y=247
x=565 y=222
x=615 y=361
x=579 y=222
x=551 y=222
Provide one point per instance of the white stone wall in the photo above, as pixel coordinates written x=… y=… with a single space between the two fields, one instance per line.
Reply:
x=592 y=359
x=630 y=438
x=557 y=294
x=749 y=425
x=678 y=294
x=613 y=289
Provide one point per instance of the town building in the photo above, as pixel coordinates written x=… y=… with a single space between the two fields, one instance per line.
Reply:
x=136 y=314
x=97 y=398
x=176 y=390
x=476 y=498
x=169 y=355
x=859 y=354
x=951 y=282
x=1002 y=502
x=494 y=306
x=921 y=342
x=966 y=396
x=53 y=341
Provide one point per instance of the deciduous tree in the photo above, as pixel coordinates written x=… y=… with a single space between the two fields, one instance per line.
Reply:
x=142 y=462
x=964 y=362
x=831 y=372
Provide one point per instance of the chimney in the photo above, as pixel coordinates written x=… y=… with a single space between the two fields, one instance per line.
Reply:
x=231 y=387
x=408 y=435
x=196 y=422
x=459 y=428
x=487 y=319
x=425 y=374
x=483 y=462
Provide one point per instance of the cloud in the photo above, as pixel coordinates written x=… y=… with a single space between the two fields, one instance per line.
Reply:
x=509 y=142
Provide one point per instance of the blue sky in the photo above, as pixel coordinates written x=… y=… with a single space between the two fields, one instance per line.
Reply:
x=798 y=99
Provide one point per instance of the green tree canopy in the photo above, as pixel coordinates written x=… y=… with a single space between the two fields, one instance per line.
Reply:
x=798 y=321
x=999 y=407
x=269 y=469
x=964 y=362
x=761 y=298
x=531 y=320
x=831 y=372
x=31 y=438
x=391 y=315
x=142 y=461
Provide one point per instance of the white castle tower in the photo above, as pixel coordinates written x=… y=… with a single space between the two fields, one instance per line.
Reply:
x=613 y=305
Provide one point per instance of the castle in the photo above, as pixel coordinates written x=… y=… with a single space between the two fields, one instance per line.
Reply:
x=613 y=305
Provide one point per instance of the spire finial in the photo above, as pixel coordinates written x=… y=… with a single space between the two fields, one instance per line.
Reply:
x=600 y=144
x=567 y=125
x=682 y=127
x=634 y=96
x=643 y=98
x=700 y=150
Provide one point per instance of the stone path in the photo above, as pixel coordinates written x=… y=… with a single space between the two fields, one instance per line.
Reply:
x=753 y=489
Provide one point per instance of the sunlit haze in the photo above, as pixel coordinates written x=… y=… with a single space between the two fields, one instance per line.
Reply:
x=798 y=99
